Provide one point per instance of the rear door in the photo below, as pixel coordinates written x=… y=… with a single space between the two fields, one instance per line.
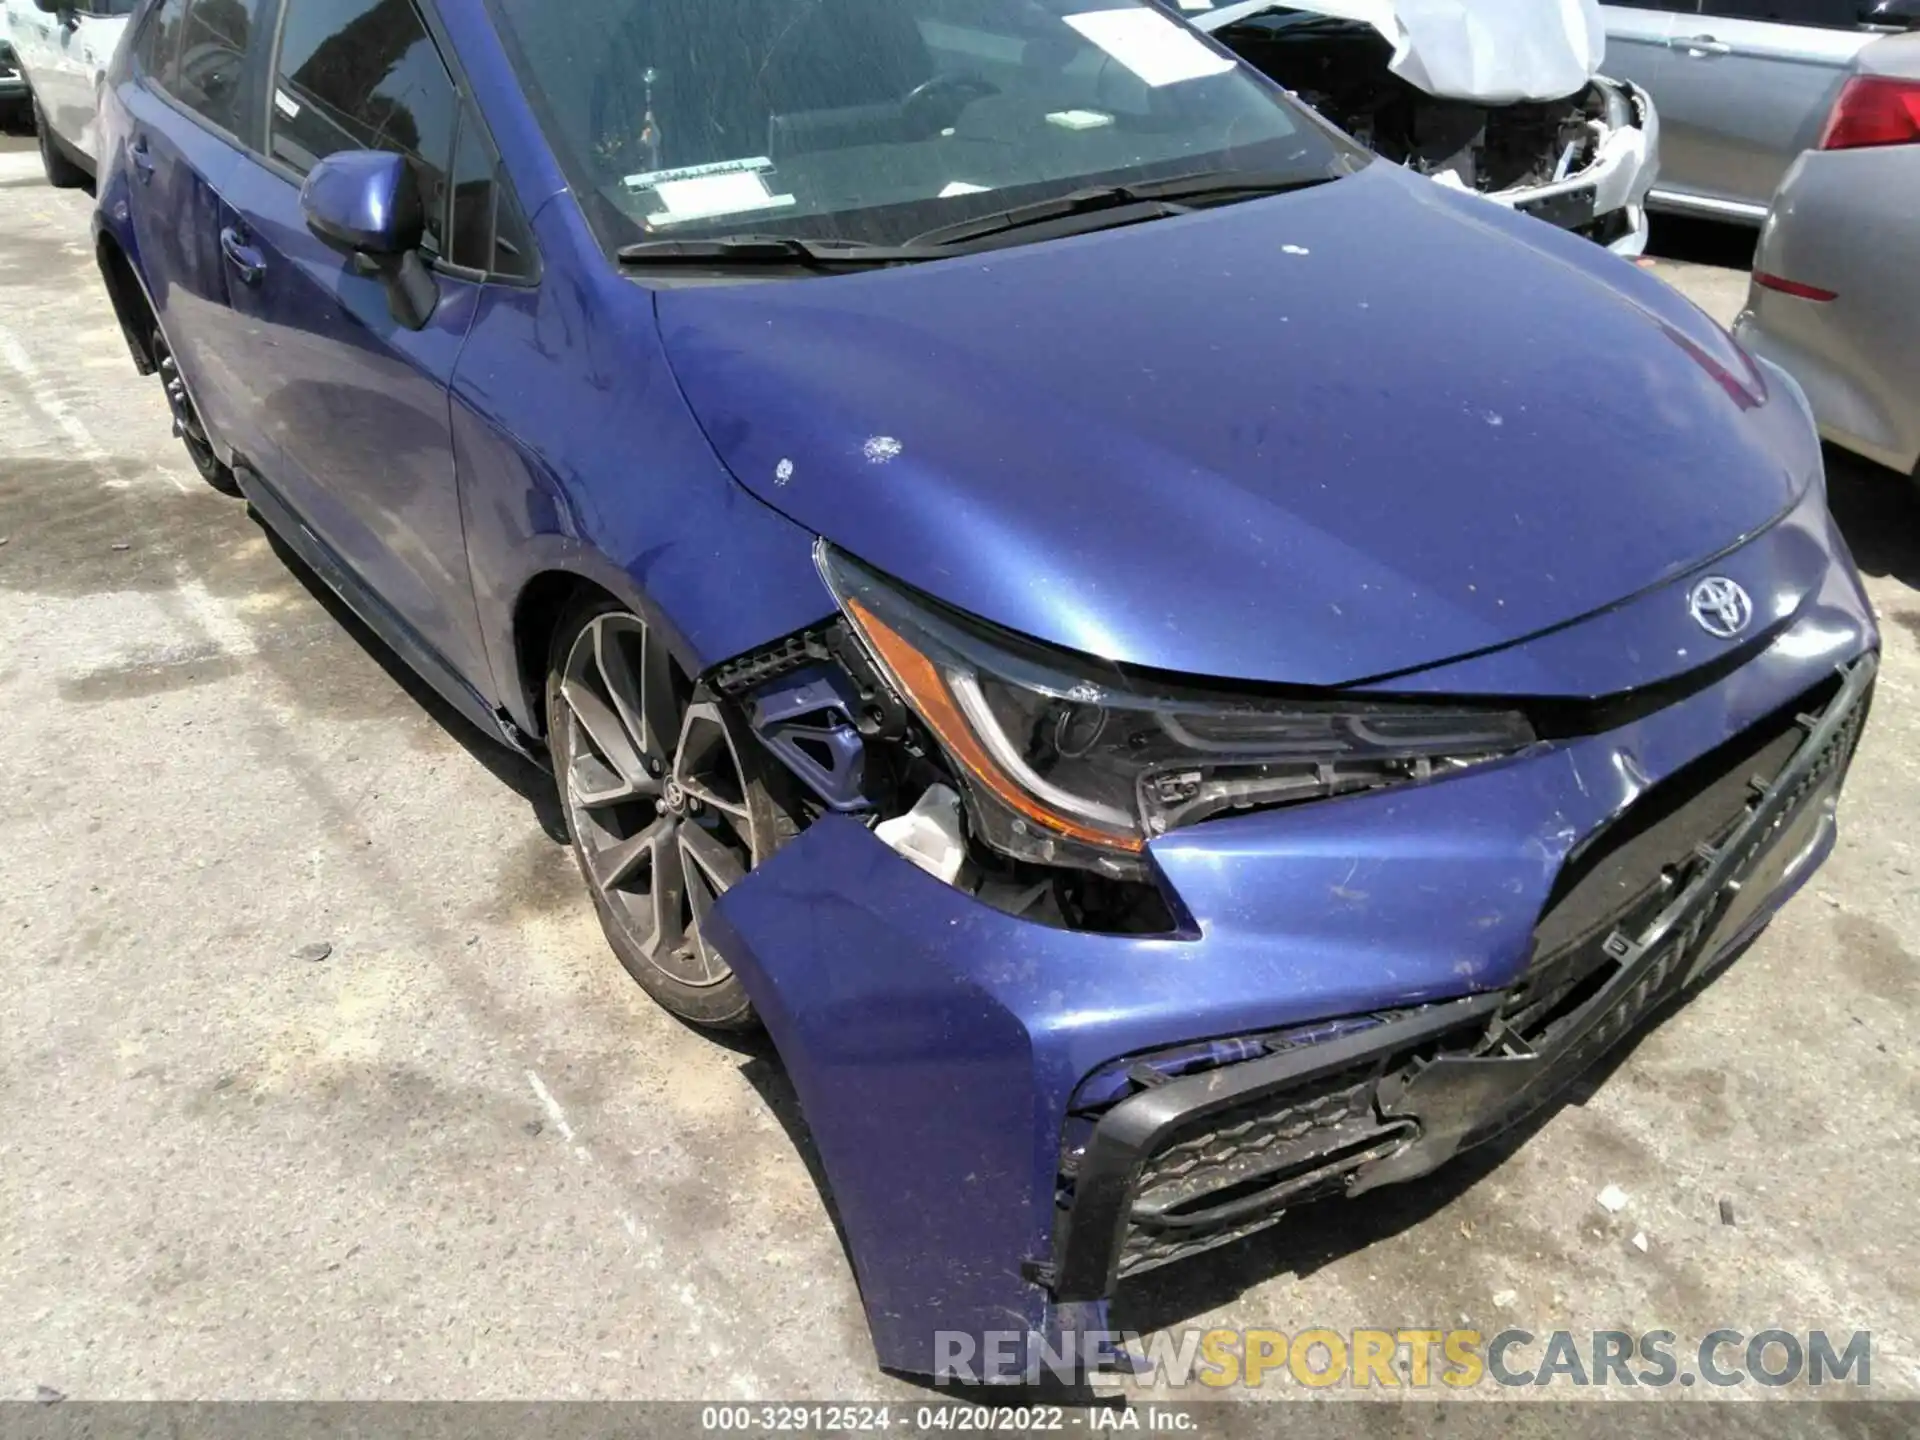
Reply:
x=189 y=95
x=351 y=410
x=1748 y=87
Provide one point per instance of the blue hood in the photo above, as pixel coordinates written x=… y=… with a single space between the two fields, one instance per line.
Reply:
x=1315 y=439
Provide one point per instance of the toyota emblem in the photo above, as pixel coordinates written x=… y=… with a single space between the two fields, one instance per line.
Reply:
x=1720 y=606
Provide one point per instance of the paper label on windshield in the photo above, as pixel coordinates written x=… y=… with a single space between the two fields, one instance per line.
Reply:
x=1151 y=45
x=1079 y=119
x=649 y=179
x=708 y=196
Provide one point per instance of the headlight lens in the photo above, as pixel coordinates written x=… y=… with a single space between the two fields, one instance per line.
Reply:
x=1071 y=760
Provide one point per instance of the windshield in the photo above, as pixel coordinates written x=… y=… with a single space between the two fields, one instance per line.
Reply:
x=875 y=120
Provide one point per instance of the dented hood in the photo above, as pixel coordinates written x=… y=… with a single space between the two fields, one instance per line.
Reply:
x=1318 y=438
x=1493 y=51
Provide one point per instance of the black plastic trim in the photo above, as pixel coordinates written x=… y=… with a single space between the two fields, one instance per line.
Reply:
x=407 y=643
x=1089 y=1241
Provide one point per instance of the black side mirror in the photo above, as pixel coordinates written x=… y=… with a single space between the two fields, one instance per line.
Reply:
x=1893 y=14
x=367 y=205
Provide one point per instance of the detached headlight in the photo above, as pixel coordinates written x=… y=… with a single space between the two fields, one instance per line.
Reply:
x=1072 y=761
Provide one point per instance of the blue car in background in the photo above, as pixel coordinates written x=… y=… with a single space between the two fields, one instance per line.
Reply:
x=1177 y=669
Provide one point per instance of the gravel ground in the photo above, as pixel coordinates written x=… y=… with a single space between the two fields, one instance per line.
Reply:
x=462 y=1157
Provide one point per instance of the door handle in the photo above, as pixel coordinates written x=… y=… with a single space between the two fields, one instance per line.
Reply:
x=142 y=159
x=1702 y=45
x=246 y=261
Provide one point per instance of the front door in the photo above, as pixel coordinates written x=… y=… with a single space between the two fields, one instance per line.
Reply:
x=352 y=408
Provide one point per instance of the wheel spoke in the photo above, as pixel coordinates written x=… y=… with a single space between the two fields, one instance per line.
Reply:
x=705 y=752
x=659 y=709
x=715 y=861
x=604 y=729
x=618 y=792
x=622 y=678
x=613 y=863
x=669 y=896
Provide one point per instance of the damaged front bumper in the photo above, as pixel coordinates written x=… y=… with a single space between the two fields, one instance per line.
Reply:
x=1184 y=1164
x=1605 y=200
x=1014 y=1118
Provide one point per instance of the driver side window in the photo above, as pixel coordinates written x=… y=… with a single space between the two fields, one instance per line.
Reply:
x=364 y=75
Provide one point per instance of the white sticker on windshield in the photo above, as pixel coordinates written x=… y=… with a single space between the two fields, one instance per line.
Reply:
x=1196 y=4
x=1153 y=46
x=286 y=104
x=961 y=187
x=706 y=196
x=648 y=179
x=1079 y=119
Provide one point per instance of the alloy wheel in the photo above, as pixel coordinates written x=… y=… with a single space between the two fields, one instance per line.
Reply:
x=662 y=815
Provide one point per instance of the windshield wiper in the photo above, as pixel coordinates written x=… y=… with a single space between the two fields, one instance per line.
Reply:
x=1098 y=207
x=1105 y=205
x=772 y=250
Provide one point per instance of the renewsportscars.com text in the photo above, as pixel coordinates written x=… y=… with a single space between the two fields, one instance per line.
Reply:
x=1421 y=1359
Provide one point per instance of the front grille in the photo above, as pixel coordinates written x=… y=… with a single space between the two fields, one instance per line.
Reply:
x=1635 y=908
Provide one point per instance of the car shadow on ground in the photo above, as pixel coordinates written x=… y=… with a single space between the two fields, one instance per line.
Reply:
x=515 y=771
x=1879 y=512
x=1702 y=242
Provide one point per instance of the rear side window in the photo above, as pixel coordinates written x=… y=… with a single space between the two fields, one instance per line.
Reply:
x=159 y=41
x=209 y=71
x=364 y=75
x=196 y=51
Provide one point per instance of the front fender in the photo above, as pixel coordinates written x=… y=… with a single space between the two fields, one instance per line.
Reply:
x=576 y=453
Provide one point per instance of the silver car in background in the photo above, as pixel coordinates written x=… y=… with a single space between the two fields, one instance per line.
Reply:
x=1743 y=86
x=63 y=47
x=1835 y=296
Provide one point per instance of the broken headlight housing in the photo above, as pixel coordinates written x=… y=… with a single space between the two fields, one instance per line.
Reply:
x=1069 y=760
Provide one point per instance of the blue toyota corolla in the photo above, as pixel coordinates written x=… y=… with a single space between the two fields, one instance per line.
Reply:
x=1175 y=670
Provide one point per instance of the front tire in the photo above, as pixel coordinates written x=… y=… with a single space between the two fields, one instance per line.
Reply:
x=669 y=802
x=62 y=171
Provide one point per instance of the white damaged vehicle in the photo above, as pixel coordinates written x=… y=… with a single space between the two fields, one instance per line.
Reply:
x=1503 y=98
